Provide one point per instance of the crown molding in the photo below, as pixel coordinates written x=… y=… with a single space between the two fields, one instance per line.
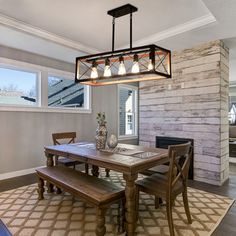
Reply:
x=38 y=32
x=179 y=29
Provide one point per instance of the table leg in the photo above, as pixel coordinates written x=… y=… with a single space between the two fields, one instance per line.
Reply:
x=50 y=163
x=130 y=206
x=95 y=171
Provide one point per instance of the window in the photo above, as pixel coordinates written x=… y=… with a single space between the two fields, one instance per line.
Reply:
x=18 y=87
x=63 y=92
x=29 y=87
x=127 y=99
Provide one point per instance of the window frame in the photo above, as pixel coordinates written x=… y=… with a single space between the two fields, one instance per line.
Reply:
x=42 y=88
x=135 y=89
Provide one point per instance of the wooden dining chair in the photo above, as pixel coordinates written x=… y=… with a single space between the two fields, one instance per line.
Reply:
x=168 y=187
x=160 y=169
x=62 y=138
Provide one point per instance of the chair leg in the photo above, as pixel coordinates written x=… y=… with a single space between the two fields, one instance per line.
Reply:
x=100 y=228
x=137 y=203
x=186 y=206
x=50 y=187
x=107 y=173
x=170 y=218
x=86 y=168
x=157 y=202
x=58 y=191
x=40 y=189
x=121 y=216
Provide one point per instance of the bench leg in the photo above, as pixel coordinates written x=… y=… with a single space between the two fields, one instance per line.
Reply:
x=40 y=189
x=101 y=228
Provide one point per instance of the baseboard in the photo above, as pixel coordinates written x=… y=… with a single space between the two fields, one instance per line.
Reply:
x=18 y=173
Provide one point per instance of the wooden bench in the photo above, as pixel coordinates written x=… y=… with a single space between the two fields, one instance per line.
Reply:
x=97 y=192
x=4 y=230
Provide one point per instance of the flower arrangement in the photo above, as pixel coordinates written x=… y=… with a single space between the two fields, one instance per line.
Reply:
x=101 y=118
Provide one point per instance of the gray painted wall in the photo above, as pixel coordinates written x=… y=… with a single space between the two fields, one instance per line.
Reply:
x=24 y=134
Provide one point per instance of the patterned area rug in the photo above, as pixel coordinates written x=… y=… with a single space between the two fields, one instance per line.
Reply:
x=59 y=215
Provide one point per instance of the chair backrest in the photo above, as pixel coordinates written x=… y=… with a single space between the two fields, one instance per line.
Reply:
x=180 y=156
x=58 y=138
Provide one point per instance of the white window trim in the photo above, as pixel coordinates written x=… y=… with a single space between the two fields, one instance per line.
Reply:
x=135 y=136
x=42 y=107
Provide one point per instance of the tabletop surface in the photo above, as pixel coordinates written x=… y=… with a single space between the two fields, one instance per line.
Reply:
x=126 y=156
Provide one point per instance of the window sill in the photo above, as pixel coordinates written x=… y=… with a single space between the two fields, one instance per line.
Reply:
x=44 y=109
x=127 y=137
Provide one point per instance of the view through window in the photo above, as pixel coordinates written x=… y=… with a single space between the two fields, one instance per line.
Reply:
x=63 y=92
x=127 y=110
x=18 y=87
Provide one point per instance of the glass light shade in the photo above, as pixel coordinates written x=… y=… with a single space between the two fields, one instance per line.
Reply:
x=94 y=73
x=122 y=70
x=107 y=71
x=135 y=67
x=150 y=65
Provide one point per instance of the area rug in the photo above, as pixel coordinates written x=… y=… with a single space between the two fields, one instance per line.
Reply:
x=59 y=215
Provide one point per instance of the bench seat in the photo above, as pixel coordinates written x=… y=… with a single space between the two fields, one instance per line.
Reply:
x=97 y=192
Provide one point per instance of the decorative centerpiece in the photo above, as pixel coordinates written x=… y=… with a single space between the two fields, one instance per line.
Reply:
x=112 y=141
x=101 y=132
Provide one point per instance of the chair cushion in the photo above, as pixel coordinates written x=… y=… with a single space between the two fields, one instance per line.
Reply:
x=161 y=169
x=67 y=162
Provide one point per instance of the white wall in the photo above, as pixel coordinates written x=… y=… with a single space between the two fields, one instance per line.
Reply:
x=232 y=70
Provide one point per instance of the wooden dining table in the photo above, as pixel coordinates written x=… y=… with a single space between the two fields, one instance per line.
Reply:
x=125 y=158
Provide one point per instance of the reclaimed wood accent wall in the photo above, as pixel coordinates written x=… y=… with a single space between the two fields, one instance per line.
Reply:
x=193 y=104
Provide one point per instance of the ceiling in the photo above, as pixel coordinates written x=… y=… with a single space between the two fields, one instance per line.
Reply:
x=66 y=29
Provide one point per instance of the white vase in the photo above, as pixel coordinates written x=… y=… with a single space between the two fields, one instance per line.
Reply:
x=112 y=141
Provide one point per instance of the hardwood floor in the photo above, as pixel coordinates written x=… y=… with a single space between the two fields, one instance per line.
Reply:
x=227 y=226
x=17 y=182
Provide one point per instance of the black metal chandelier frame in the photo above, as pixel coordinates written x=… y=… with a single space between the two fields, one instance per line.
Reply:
x=155 y=61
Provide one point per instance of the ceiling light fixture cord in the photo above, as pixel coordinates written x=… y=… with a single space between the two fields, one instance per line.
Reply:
x=113 y=34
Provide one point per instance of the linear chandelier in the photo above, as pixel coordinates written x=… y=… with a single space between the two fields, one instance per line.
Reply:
x=128 y=65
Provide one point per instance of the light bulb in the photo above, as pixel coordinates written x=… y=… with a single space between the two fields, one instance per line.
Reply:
x=77 y=75
x=122 y=70
x=107 y=69
x=135 y=67
x=94 y=72
x=150 y=65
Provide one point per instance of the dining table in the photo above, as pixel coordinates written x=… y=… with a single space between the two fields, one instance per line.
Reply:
x=127 y=159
